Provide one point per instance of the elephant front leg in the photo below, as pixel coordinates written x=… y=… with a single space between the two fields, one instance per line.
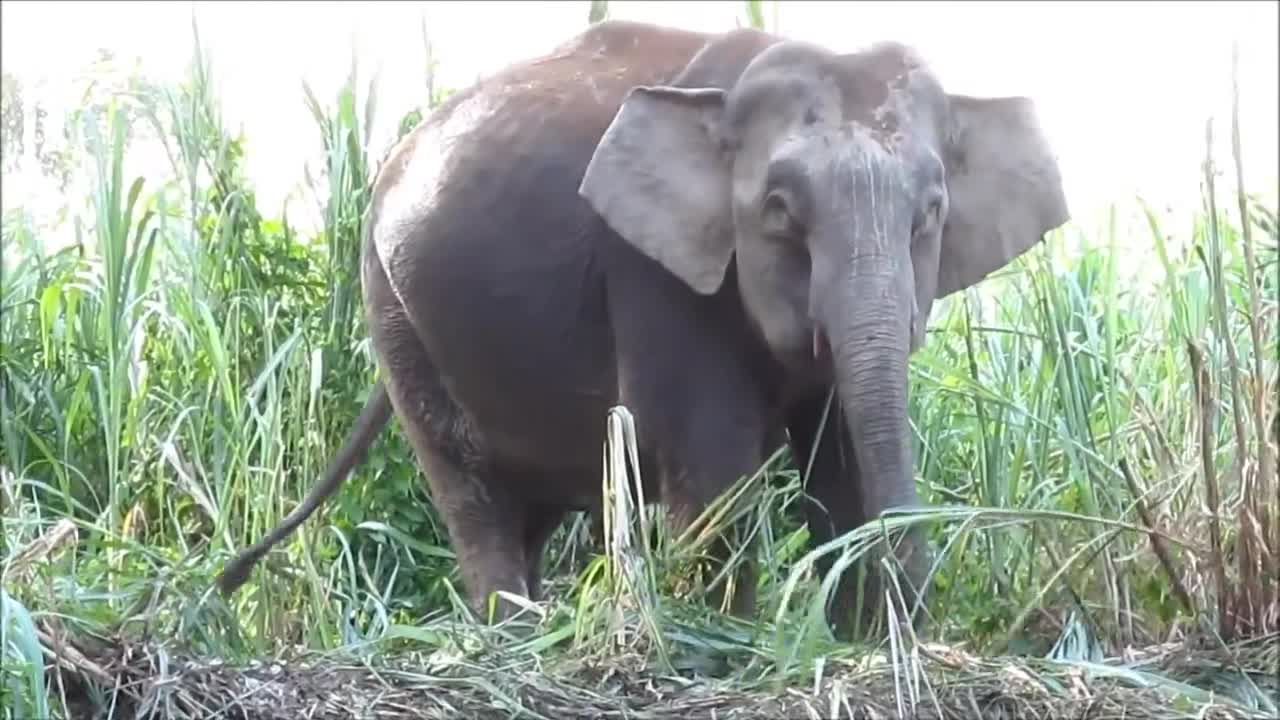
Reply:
x=689 y=495
x=698 y=458
x=692 y=373
x=834 y=506
x=824 y=457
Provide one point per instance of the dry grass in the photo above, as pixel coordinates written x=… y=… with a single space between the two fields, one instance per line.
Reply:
x=1171 y=681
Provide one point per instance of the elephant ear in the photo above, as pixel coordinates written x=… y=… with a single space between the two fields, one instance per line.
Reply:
x=658 y=178
x=1004 y=187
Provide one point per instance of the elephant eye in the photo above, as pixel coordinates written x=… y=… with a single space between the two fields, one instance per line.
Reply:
x=931 y=217
x=779 y=214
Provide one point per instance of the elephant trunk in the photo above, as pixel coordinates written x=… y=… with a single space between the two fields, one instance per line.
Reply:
x=868 y=327
x=863 y=295
x=862 y=300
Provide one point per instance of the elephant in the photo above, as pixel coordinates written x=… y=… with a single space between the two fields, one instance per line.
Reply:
x=731 y=234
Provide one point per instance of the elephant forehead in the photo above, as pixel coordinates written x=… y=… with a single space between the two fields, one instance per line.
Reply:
x=888 y=90
x=866 y=169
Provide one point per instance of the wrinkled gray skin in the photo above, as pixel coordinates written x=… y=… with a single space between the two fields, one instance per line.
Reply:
x=713 y=230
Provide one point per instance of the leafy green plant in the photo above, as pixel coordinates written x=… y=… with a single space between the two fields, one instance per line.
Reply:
x=22 y=680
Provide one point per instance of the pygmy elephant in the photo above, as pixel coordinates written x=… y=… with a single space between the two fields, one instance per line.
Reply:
x=714 y=230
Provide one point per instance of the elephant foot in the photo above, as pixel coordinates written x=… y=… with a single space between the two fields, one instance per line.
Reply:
x=737 y=593
x=497 y=609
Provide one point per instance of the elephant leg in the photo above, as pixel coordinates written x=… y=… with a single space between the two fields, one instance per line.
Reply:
x=698 y=460
x=486 y=527
x=486 y=524
x=832 y=502
x=540 y=523
x=700 y=389
x=688 y=495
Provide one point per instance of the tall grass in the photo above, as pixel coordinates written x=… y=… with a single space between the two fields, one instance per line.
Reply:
x=1101 y=446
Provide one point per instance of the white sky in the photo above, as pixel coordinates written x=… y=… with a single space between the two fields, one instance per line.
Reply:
x=1123 y=89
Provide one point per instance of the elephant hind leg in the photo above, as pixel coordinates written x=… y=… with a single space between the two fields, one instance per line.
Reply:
x=485 y=522
x=486 y=530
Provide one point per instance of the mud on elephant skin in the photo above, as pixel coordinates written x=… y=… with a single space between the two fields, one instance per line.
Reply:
x=716 y=230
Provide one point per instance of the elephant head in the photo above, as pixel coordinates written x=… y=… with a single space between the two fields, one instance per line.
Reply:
x=851 y=191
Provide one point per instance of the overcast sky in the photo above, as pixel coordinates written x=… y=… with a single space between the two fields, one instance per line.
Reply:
x=1123 y=89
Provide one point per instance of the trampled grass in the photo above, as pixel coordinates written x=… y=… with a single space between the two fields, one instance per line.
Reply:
x=1097 y=427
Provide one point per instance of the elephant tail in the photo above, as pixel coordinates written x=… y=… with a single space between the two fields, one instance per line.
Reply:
x=373 y=418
